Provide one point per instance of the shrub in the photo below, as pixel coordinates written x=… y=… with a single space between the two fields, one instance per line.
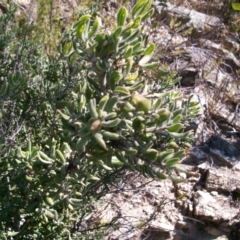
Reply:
x=73 y=123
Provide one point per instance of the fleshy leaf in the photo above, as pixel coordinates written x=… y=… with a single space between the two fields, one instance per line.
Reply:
x=138 y=8
x=122 y=16
x=174 y=128
x=149 y=65
x=148 y=14
x=236 y=6
x=95 y=27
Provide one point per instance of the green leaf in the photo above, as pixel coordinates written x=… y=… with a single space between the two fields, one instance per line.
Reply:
x=102 y=103
x=179 y=154
x=131 y=77
x=133 y=36
x=137 y=47
x=160 y=176
x=127 y=32
x=122 y=91
x=110 y=116
x=129 y=66
x=116 y=162
x=122 y=16
x=176 y=179
x=145 y=60
x=165 y=155
x=82 y=27
x=115 y=77
x=99 y=139
x=67 y=48
x=150 y=49
x=173 y=145
x=147 y=57
x=128 y=53
x=157 y=104
x=81 y=31
x=175 y=128
x=151 y=154
x=92 y=177
x=148 y=14
x=236 y=6
x=111 y=104
x=92 y=107
x=95 y=27
x=111 y=123
x=116 y=34
x=138 y=86
x=179 y=135
x=101 y=163
x=171 y=162
x=64 y=116
x=146 y=8
x=83 y=132
x=130 y=151
x=149 y=65
x=137 y=22
x=12 y=234
x=110 y=135
x=82 y=142
x=121 y=157
x=164 y=116
x=138 y=8
x=177 y=119
x=83 y=19
x=177 y=112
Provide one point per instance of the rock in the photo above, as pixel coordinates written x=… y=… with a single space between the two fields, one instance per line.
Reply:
x=204 y=166
x=223 y=237
x=193 y=19
x=214 y=231
x=225 y=152
x=163 y=227
x=218 y=49
x=23 y=2
x=210 y=63
x=222 y=180
x=237 y=166
x=213 y=208
x=197 y=153
x=220 y=111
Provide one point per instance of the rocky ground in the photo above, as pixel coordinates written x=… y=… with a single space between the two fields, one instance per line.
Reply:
x=193 y=40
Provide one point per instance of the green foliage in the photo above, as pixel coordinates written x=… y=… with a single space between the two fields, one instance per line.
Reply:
x=48 y=24
x=236 y=6
x=72 y=123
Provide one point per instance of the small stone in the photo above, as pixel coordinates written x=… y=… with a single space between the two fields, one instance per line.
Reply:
x=223 y=237
x=214 y=193
x=166 y=227
x=182 y=224
x=203 y=166
x=237 y=166
x=193 y=179
x=194 y=174
x=190 y=207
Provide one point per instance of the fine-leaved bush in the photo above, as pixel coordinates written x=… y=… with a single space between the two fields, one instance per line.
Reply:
x=72 y=123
